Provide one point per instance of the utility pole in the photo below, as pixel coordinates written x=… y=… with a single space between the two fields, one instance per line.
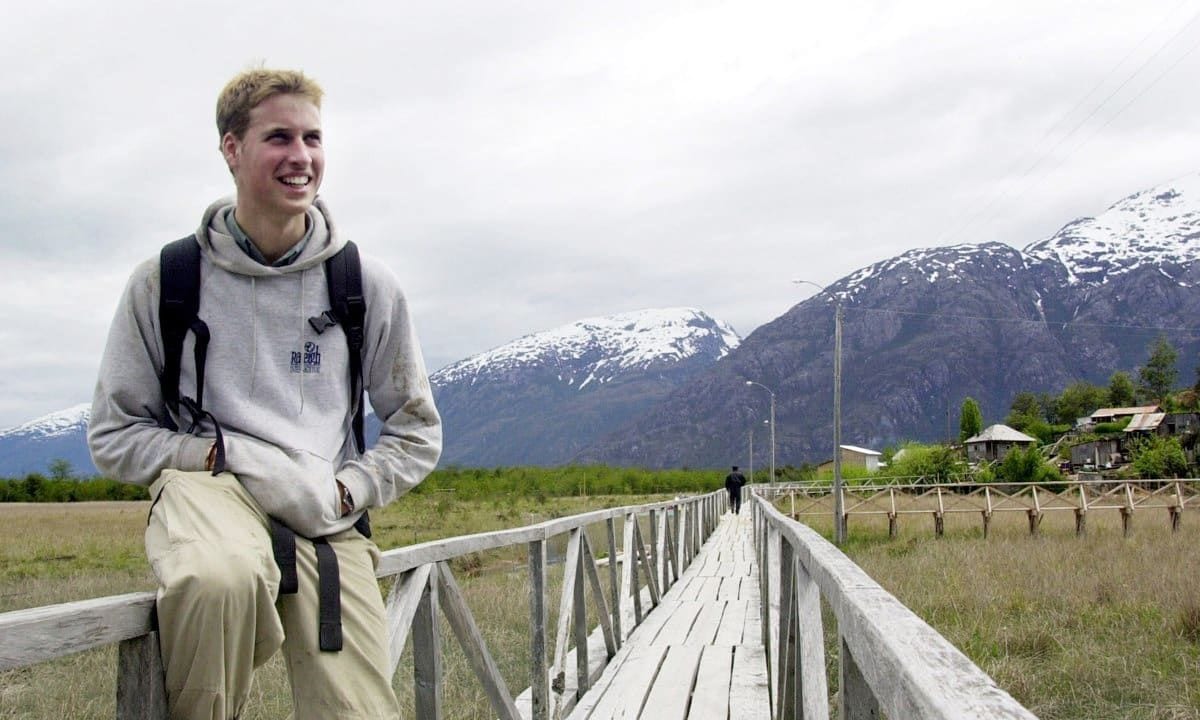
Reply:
x=751 y=454
x=839 y=524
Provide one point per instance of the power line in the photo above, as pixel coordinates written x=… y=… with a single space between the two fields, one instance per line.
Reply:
x=1006 y=191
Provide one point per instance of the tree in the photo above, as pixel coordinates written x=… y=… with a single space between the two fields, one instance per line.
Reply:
x=1158 y=458
x=1157 y=378
x=1026 y=410
x=970 y=419
x=1121 y=390
x=1078 y=400
x=61 y=469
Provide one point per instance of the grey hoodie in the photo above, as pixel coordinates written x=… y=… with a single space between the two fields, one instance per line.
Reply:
x=280 y=390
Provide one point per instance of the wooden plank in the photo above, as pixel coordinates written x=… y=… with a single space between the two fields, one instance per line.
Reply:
x=401 y=607
x=473 y=646
x=710 y=698
x=141 y=687
x=651 y=580
x=606 y=627
x=676 y=630
x=613 y=581
x=672 y=689
x=748 y=696
x=626 y=695
x=40 y=634
x=733 y=623
x=427 y=655
x=707 y=623
x=582 y=681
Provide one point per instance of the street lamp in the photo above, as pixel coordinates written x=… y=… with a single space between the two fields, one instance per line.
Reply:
x=839 y=527
x=772 y=423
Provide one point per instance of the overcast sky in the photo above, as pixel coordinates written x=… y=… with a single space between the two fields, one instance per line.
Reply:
x=524 y=165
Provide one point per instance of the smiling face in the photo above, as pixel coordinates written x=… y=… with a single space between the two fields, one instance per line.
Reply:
x=278 y=162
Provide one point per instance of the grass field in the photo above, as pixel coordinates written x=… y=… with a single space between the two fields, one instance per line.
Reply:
x=1102 y=627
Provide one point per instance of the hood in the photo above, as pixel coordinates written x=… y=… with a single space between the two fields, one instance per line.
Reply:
x=218 y=244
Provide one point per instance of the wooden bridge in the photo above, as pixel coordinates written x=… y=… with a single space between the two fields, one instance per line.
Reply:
x=705 y=615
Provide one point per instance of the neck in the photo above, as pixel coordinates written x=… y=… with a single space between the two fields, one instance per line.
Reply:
x=273 y=236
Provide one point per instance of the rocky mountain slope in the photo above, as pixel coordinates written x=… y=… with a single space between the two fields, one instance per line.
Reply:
x=925 y=329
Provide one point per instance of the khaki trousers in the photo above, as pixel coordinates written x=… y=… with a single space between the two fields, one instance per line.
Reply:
x=220 y=614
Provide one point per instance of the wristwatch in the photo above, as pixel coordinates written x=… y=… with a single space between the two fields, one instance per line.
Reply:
x=347 y=498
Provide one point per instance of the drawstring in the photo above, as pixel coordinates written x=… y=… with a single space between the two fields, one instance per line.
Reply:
x=301 y=340
x=254 y=338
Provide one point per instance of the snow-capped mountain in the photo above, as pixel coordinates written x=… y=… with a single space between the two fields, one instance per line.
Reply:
x=32 y=446
x=925 y=329
x=601 y=349
x=540 y=398
x=1159 y=227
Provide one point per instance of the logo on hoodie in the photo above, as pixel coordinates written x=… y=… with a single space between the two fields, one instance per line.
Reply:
x=308 y=361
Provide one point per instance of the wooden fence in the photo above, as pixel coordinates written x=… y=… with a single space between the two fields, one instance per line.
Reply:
x=888 y=659
x=1035 y=500
x=423 y=583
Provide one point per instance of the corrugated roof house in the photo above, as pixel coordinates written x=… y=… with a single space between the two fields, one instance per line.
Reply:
x=1145 y=422
x=995 y=442
x=1114 y=414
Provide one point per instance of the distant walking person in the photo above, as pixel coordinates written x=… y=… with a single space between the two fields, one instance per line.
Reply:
x=733 y=484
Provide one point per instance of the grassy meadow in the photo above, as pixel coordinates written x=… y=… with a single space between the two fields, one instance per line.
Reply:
x=1097 y=627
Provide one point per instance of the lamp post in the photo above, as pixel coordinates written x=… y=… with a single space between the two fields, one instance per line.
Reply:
x=751 y=454
x=839 y=527
x=772 y=423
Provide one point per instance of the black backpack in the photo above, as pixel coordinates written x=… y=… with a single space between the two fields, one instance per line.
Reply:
x=178 y=313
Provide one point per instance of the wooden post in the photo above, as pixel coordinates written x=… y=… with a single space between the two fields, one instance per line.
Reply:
x=539 y=679
x=427 y=654
x=812 y=684
x=987 y=521
x=939 y=526
x=141 y=691
x=857 y=700
x=1035 y=519
x=614 y=585
x=892 y=529
x=1176 y=514
x=1080 y=522
x=1127 y=511
x=785 y=683
x=653 y=570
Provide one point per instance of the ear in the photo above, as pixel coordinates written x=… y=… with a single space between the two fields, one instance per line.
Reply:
x=231 y=149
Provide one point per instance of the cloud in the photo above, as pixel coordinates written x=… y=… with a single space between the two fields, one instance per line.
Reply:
x=523 y=165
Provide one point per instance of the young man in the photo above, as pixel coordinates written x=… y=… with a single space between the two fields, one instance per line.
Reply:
x=279 y=390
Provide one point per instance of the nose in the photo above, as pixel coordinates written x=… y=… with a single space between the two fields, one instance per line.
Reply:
x=299 y=153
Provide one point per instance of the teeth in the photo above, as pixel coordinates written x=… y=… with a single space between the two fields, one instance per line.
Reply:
x=297 y=181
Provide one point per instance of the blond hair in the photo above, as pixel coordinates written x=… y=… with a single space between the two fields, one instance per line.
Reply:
x=251 y=87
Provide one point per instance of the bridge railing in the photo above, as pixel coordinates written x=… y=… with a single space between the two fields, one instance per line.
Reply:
x=888 y=658
x=561 y=668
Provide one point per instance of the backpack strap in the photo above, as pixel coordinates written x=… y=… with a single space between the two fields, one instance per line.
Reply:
x=343 y=274
x=178 y=310
x=179 y=313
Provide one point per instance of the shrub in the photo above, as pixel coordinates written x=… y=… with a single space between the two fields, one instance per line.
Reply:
x=1158 y=457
